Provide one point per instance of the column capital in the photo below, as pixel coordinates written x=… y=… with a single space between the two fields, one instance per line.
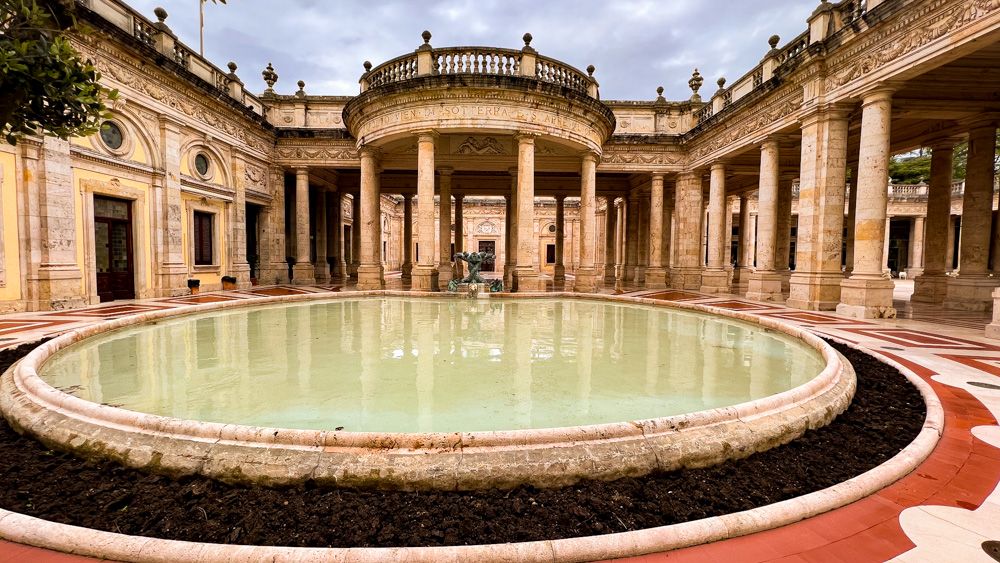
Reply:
x=770 y=141
x=559 y=197
x=657 y=176
x=881 y=93
x=592 y=156
x=446 y=170
x=525 y=137
x=512 y=171
x=301 y=170
x=370 y=151
x=718 y=165
x=427 y=135
x=983 y=129
x=947 y=143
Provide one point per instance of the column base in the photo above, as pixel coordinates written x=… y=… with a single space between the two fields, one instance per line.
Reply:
x=814 y=291
x=610 y=274
x=656 y=278
x=786 y=281
x=424 y=278
x=741 y=280
x=714 y=281
x=370 y=278
x=930 y=288
x=352 y=270
x=628 y=273
x=912 y=273
x=866 y=298
x=993 y=329
x=765 y=286
x=640 y=274
x=559 y=273
x=322 y=270
x=970 y=293
x=56 y=288
x=527 y=279
x=303 y=274
x=685 y=278
x=405 y=271
x=445 y=273
x=587 y=280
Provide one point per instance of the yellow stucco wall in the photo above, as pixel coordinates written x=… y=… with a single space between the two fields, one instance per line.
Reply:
x=12 y=259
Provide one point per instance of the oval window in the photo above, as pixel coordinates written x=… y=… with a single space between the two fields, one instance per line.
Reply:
x=111 y=135
x=201 y=164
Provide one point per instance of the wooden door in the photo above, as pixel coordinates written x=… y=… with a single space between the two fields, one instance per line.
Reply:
x=113 y=249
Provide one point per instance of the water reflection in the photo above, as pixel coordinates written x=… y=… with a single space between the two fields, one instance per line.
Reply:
x=433 y=365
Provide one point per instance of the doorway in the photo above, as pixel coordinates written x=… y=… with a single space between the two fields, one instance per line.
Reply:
x=113 y=248
x=491 y=247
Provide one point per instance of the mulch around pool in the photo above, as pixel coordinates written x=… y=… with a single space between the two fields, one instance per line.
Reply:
x=887 y=414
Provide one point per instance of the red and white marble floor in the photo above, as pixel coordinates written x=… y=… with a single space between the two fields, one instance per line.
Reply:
x=948 y=509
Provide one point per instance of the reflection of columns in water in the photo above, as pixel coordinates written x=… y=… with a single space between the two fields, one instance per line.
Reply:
x=652 y=350
x=304 y=344
x=425 y=316
x=367 y=317
x=760 y=372
x=522 y=363
x=557 y=328
x=584 y=353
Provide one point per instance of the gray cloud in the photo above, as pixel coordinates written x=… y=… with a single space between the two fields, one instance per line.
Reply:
x=636 y=45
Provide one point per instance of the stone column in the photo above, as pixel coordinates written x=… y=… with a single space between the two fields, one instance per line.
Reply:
x=885 y=246
x=727 y=238
x=867 y=293
x=336 y=223
x=407 y=267
x=303 y=272
x=815 y=284
x=610 y=240
x=916 y=265
x=587 y=275
x=656 y=275
x=715 y=279
x=620 y=242
x=356 y=229
x=459 y=235
x=559 y=269
x=950 y=261
x=526 y=271
x=744 y=264
x=765 y=283
x=972 y=289
x=321 y=267
x=642 y=248
x=687 y=206
x=852 y=210
x=273 y=268
x=511 y=259
x=425 y=273
x=631 y=238
x=783 y=235
x=169 y=207
x=445 y=267
x=368 y=223
x=667 y=241
x=238 y=266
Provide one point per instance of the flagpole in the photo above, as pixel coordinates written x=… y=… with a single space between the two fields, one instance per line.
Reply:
x=201 y=27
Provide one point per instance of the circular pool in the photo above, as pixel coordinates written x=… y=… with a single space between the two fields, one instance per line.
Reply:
x=427 y=392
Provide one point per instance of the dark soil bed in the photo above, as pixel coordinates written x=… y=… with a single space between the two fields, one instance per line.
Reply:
x=886 y=415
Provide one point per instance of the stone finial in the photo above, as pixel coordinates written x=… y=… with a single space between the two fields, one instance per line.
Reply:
x=773 y=41
x=301 y=93
x=721 y=82
x=232 y=67
x=527 y=43
x=695 y=83
x=368 y=66
x=824 y=6
x=270 y=77
x=426 y=36
x=659 y=94
x=590 y=70
x=160 y=14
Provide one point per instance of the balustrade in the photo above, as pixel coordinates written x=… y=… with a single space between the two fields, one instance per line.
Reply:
x=477 y=60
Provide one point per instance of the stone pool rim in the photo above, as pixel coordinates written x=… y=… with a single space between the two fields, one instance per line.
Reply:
x=461 y=460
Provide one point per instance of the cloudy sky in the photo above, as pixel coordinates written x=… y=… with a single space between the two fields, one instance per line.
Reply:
x=636 y=45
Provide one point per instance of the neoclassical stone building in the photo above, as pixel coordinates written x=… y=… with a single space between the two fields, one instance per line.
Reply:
x=774 y=186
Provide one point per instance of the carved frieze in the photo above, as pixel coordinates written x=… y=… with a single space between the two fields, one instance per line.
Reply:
x=481 y=146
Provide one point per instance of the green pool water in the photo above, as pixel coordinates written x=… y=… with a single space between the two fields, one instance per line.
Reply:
x=433 y=365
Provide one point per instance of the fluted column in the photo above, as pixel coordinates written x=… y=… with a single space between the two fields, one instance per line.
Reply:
x=972 y=289
x=445 y=267
x=459 y=235
x=815 y=284
x=587 y=276
x=631 y=237
x=321 y=266
x=559 y=269
x=688 y=209
x=610 y=238
x=715 y=279
x=916 y=259
x=303 y=272
x=425 y=273
x=765 y=283
x=867 y=293
x=744 y=264
x=407 y=267
x=656 y=275
x=526 y=272
x=369 y=224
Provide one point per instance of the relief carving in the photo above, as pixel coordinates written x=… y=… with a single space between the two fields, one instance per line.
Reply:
x=480 y=146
